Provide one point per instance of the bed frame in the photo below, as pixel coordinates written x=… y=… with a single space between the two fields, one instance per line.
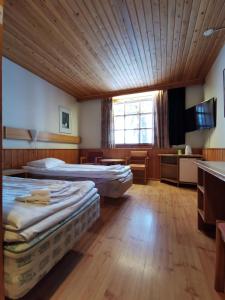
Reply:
x=25 y=265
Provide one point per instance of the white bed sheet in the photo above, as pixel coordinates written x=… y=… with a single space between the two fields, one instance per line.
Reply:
x=77 y=170
x=18 y=216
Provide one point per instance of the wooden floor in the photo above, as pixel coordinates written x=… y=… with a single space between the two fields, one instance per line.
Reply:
x=145 y=246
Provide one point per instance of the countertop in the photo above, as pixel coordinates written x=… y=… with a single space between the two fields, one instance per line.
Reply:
x=216 y=168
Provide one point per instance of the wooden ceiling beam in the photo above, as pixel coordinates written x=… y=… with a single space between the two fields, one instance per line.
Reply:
x=142 y=89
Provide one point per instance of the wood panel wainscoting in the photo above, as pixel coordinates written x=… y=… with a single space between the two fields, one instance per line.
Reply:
x=153 y=171
x=217 y=154
x=16 y=158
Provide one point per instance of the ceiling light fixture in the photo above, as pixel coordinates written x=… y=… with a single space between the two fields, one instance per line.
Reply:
x=211 y=31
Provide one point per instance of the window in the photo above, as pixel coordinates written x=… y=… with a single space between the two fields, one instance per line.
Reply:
x=134 y=119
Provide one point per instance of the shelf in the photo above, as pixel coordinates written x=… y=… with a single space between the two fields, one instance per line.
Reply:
x=201 y=188
x=211 y=205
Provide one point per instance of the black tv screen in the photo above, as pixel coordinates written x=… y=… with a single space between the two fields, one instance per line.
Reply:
x=206 y=114
x=201 y=116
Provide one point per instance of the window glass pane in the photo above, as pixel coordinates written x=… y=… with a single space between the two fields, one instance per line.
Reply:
x=146 y=121
x=131 y=136
x=146 y=136
x=147 y=106
x=119 y=122
x=118 y=109
x=132 y=122
x=119 y=137
x=131 y=108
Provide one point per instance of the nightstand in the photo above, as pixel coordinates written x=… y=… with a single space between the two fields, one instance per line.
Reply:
x=15 y=172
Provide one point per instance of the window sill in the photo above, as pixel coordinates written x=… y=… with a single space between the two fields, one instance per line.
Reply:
x=150 y=146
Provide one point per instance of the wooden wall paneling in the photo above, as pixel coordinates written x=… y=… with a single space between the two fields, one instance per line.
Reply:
x=154 y=160
x=197 y=35
x=7 y=160
x=16 y=158
x=182 y=25
x=123 y=47
x=103 y=27
x=1 y=158
x=217 y=154
x=204 y=50
x=35 y=18
x=99 y=48
x=181 y=62
x=131 y=24
x=31 y=154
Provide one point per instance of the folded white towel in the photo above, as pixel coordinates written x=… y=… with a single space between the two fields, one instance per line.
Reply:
x=41 y=192
x=34 y=199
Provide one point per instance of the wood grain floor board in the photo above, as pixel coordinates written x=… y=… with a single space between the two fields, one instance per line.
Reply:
x=145 y=247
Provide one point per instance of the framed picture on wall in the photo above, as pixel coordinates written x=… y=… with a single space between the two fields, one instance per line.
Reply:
x=65 y=120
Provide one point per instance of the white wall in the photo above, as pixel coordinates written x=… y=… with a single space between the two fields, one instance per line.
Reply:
x=215 y=138
x=90 y=124
x=32 y=103
x=90 y=120
x=194 y=95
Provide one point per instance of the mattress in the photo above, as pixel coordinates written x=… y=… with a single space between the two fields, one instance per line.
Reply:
x=37 y=235
x=78 y=170
x=26 y=263
x=115 y=188
x=111 y=181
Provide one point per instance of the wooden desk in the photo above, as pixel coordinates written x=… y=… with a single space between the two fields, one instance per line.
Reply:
x=112 y=161
x=179 y=169
x=15 y=172
x=211 y=193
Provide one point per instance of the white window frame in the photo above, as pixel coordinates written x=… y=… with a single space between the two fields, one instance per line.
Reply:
x=135 y=100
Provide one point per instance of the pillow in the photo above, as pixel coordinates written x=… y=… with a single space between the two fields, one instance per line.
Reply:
x=46 y=163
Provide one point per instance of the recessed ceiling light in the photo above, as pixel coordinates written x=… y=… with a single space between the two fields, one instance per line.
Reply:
x=210 y=31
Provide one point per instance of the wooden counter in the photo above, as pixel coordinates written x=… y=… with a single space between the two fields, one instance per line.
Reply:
x=179 y=169
x=211 y=193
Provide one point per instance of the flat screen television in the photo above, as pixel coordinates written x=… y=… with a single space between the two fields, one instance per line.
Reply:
x=201 y=116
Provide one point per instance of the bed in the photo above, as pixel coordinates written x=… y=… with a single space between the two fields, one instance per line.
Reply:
x=37 y=236
x=111 y=181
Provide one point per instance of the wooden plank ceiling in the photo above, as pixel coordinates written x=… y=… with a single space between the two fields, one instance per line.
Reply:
x=92 y=48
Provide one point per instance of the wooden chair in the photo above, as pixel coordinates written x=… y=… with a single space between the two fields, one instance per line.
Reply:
x=220 y=256
x=92 y=157
x=138 y=162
